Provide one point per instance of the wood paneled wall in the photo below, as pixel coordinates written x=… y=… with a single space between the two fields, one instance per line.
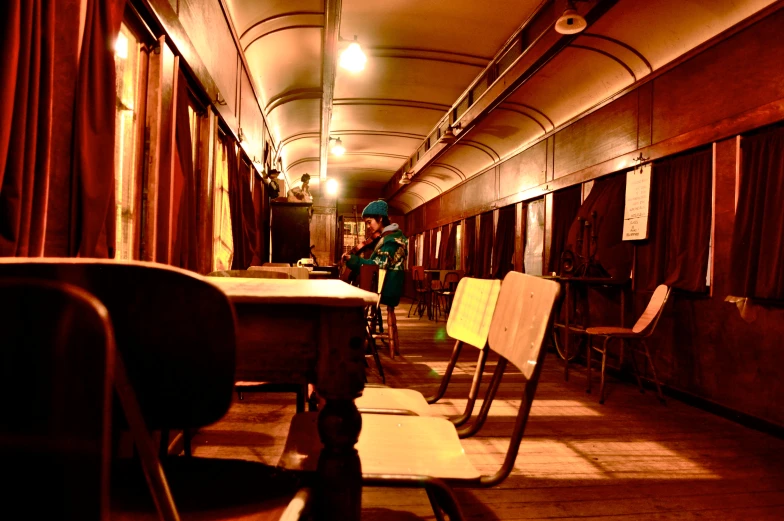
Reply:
x=704 y=347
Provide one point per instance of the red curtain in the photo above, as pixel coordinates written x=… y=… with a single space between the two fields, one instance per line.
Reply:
x=261 y=212
x=611 y=253
x=566 y=204
x=92 y=174
x=442 y=259
x=184 y=186
x=451 y=248
x=503 y=249
x=676 y=251
x=757 y=255
x=469 y=239
x=243 y=219
x=26 y=97
x=484 y=246
x=426 y=249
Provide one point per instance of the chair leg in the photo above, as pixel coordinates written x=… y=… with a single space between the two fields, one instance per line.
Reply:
x=415 y=301
x=443 y=501
x=636 y=372
x=394 y=349
x=587 y=361
x=239 y=395
x=653 y=371
x=433 y=497
x=604 y=367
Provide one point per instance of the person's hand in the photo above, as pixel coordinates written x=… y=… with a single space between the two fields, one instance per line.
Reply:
x=346 y=256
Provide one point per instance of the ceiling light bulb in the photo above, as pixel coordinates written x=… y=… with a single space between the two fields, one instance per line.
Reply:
x=338 y=149
x=332 y=187
x=352 y=58
x=121 y=46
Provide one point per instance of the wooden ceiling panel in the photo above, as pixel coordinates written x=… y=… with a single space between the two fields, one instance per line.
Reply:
x=294 y=119
x=384 y=118
x=671 y=28
x=573 y=82
x=247 y=13
x=508 y=128
x=460 y=26
x=286 y=64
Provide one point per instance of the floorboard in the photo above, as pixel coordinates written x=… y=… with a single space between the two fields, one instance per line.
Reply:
x=629 y=459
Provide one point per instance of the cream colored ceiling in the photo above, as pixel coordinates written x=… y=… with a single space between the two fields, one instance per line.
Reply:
x=423 y=55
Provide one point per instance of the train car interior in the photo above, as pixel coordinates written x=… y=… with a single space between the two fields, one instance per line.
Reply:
x=392 y=260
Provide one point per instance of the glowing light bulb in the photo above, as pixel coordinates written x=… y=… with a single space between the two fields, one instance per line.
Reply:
x=332 y=187
x=338 y=149
x=352 y=58
x=121 y=46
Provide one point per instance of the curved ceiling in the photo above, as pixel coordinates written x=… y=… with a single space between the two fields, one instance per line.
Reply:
x=422 y=58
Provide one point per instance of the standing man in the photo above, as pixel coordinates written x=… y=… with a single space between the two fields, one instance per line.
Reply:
x=273 y=188
x=390 y=254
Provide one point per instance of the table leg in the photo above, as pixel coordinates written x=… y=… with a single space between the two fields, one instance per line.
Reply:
x=567 y=335
x=340 y=378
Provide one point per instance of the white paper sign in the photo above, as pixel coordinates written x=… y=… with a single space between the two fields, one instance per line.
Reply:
x=638 y=192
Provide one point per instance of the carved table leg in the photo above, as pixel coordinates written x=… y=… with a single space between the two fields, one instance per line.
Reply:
x=340 y=379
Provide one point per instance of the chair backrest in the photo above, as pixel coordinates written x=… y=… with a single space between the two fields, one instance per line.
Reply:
x=174 y=330
x=56 y=369
x=293 y=273
x=368 y=277
x=521 y=319
x=418 y=276
x=472 y=310
x=451 y=280
x=650 y=317
x=251 y=274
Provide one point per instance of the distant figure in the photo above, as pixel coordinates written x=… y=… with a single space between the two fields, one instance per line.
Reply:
x=301 y=193
x=273 y=188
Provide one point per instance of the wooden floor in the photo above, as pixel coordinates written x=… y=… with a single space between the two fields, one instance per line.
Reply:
x=630 y=459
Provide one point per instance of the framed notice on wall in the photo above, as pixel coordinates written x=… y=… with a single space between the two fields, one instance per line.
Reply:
x=638 y=194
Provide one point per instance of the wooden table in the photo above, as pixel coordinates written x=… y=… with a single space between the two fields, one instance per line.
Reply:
x=568 y=326
x=310 y=331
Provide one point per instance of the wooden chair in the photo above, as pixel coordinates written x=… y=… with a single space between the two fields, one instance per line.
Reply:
x=422 y=291
x=641 y=330
x=251 y=274
x=415 y=451
x=469 y=323
x=371 y=278
x=57 y=366
x=442 y=296
x=176 y=335
x=300 y=391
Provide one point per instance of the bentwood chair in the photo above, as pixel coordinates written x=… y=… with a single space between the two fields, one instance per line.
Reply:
x=442 y=297
x=422 y=292
x=416 y=451
x=469 y=323
x=57 y=367
x=641 y=330
x=175 y=333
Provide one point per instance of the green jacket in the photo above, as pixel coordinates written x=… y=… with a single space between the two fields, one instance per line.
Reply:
x=390 y=255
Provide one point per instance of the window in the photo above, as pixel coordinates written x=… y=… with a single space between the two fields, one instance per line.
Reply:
x=222 y=243
x=459 y=247
x=534 y=237
x=127 y=143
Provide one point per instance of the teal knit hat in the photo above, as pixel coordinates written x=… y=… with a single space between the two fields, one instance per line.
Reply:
x=379 y=207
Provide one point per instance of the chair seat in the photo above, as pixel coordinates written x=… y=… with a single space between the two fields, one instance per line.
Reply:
x=614 y=331
x=388 y=445
x=378 y=399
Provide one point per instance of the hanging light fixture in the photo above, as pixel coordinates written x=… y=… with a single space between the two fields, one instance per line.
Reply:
x=570 y=22
x=337 y=149
x=332 y=187
x=352 y=58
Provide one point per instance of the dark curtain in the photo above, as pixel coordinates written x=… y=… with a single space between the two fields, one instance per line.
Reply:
x=184 y=186
x=451 y=248
x=26 y=98
x=442 y=260
x=676 y=251
x=469 y=239
x=243 y=219
x=412 y=251
x=261 y=212
x=484 y=246
x=503 y=249
x=607 y=199
x=757 y=255
x=566 y=204
x=92 y=173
